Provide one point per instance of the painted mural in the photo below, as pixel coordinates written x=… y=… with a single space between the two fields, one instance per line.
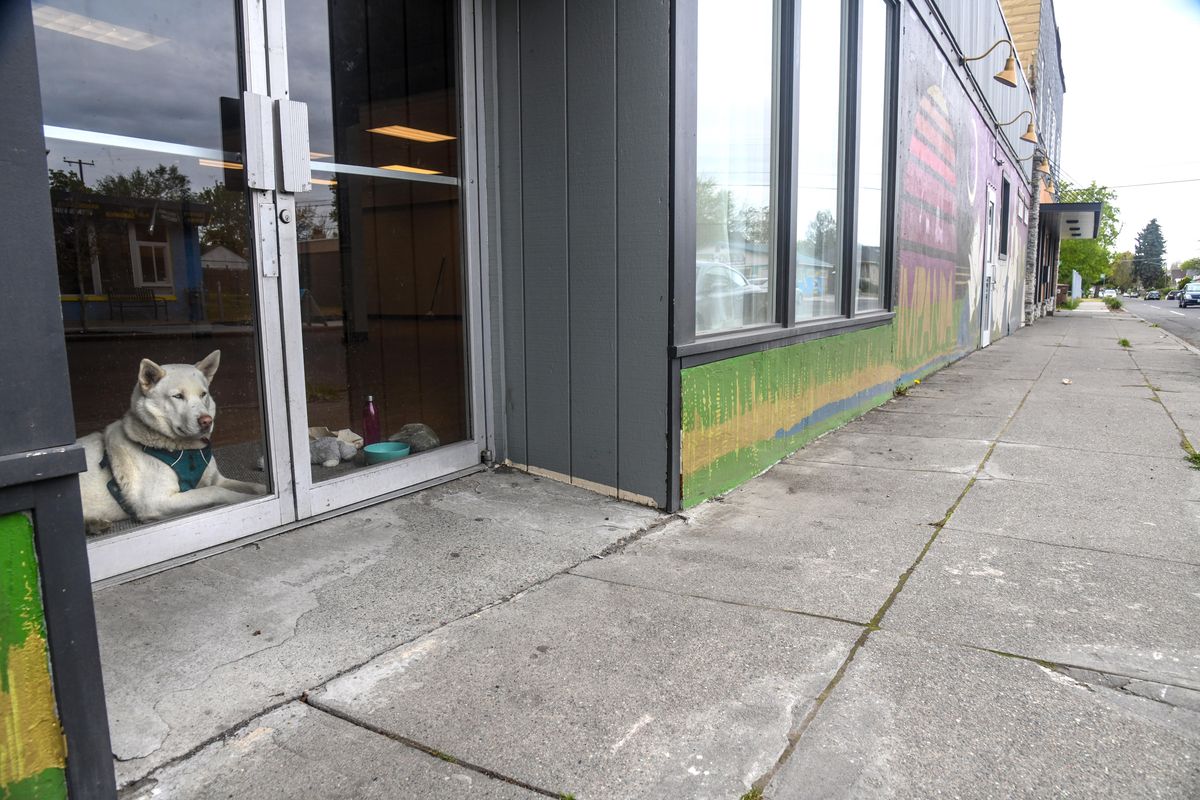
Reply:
x=32 y=752
x=741 y=415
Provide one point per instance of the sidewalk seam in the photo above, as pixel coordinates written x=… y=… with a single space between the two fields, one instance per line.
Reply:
x=761 y=783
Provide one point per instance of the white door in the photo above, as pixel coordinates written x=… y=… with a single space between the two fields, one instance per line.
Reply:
x=989 y=270
x=328 y=261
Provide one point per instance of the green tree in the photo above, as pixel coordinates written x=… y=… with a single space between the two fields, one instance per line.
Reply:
x=227 y=223
x=1148 y=255
x=164 y=182
x=1120 y=272
x=64 y=180
x=1190 y=266
x=820 y=238
x=1090 y=257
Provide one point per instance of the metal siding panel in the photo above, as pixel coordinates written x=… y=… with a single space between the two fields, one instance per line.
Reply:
x=512 y=268
x=643 y=244
x=544 y=226
x=592 y=216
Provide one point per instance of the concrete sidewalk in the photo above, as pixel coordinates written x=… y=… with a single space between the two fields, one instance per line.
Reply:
x=989 y=587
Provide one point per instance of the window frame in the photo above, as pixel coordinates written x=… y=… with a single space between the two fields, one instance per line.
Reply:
x=784 y=329
x=1005 y=218
x=135 y=258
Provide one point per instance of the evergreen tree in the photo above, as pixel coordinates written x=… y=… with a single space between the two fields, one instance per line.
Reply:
x=1148 y=255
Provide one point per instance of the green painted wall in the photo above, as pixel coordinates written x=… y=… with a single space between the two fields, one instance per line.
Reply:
x=32 y=751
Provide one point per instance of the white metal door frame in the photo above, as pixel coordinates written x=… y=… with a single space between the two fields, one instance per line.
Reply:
x=989 y=269
x=314 y=498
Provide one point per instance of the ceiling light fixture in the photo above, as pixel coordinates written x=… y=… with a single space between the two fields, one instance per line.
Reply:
x=324 y=182
x=56 y=19
x=417 y=170
x=212 y=162
x=1008 y=75
x=416 y=134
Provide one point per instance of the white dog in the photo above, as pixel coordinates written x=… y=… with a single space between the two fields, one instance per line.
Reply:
x=156 y=461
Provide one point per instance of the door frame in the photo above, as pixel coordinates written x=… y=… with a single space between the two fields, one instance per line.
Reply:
x=987 y=301
x=296 y=498
x=316 y=498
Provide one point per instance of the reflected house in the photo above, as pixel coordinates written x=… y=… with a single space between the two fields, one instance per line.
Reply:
x=126 y=259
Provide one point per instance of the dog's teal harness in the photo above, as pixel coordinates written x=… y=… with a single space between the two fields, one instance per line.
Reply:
x=189 y=466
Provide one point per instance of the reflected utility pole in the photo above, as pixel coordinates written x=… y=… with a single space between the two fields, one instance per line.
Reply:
x=83 y=321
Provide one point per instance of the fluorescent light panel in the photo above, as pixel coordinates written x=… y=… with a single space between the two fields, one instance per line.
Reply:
x=417 y=170
x=416 y=134
x=324 y=182
x=56 y=19
x=212 y=162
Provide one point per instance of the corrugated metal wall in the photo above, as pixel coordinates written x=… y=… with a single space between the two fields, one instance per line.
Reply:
x=583 y=110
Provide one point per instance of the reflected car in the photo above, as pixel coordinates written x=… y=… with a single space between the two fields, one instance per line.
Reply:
x=725 y=298
x=1153 y=295
x=1189 y=294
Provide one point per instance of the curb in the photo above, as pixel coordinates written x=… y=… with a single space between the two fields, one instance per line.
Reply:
x=1187 y=345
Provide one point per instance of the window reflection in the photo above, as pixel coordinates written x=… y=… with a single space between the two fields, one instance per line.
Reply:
x=734 y=218
x=872 y=108
x=818 y=260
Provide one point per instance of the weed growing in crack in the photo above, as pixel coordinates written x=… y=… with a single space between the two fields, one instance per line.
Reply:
x=753 y=794
x=1124 y=343
x=1193 y=459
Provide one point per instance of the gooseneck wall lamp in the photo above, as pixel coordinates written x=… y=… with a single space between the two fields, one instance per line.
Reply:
x=1030 y=134
x=1008 y=75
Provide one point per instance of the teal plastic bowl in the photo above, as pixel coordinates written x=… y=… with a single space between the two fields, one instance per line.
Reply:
x=385 y=451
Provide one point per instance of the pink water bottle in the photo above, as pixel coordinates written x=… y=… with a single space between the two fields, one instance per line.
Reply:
x=370 y=422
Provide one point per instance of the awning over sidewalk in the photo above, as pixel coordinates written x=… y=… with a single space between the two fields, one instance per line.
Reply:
x=1074 y=220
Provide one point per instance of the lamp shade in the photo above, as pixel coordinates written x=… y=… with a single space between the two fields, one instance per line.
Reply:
x=1030 y=134
x=1008 y=75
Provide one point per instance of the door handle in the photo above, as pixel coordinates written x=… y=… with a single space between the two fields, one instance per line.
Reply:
x=293 y=146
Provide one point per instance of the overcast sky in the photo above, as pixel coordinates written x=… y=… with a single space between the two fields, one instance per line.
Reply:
x=1132 y=111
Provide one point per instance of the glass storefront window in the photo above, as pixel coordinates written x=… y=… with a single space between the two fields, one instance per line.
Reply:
x=818 y=257
x=735 y=265
x=872 y=108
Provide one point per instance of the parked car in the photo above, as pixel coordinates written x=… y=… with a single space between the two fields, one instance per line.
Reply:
x=1189 y=294
x=1171 y=295
x=1109 y=293
x=1153 y=295
x=725 y=298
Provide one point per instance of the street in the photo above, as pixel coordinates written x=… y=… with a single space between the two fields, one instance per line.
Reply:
x=1183 y=322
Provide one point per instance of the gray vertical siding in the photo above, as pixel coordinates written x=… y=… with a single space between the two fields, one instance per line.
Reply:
x=583 y=111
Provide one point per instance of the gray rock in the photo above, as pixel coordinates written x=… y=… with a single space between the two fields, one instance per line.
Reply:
x=418 y=436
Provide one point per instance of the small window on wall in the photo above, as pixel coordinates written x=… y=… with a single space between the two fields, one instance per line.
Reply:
x=793 y=165
x=1005 y=191
x=151 y=256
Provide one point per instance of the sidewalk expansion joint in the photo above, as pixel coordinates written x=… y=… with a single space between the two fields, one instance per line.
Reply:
x=723 y=601
x=1184 y=443
x=428 y=750
x=794 y=736
x=1138 y=556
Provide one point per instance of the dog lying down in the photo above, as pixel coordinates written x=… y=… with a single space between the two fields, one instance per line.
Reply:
x=156 y=461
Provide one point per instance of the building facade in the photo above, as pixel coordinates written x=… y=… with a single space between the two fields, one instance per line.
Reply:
x=649 y=248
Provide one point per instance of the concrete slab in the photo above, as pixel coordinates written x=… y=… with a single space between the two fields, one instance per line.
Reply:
x=598 y=690
x=943 y=426
x=1112 y=613
x=1134 y=426
x=912 y=719
x=895 y=452
x=963 y=403
x=297 y=751
x=1076 y=473
x=193 y=651
x=747 y=552
x=1153 y=525
x=825 y=491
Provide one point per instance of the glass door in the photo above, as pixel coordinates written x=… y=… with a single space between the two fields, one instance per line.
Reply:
x=383 y=341
x=168 y=271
